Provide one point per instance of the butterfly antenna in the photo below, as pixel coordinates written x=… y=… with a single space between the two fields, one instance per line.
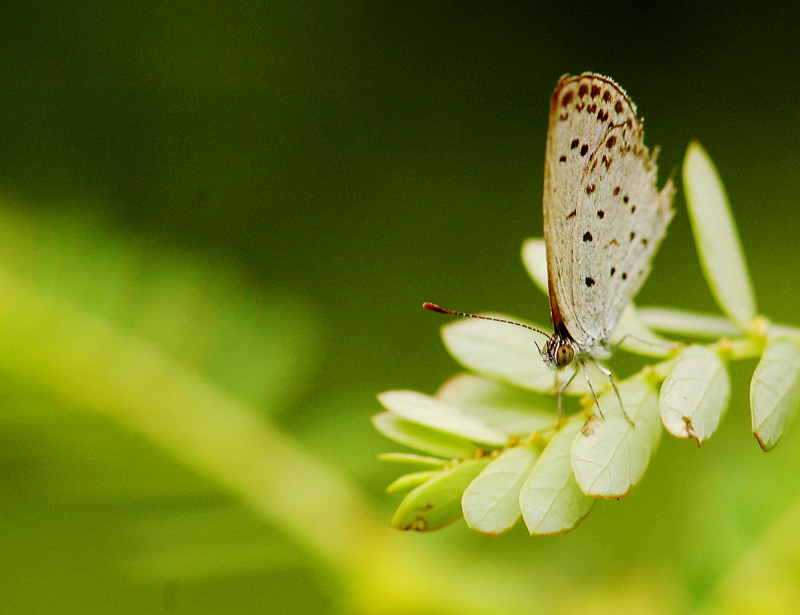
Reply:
x=437 y=308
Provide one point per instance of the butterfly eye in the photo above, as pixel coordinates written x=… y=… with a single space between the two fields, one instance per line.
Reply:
x=564 y=354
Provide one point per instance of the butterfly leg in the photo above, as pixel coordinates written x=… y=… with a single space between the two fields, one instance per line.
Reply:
x=591 y=388
x=561 y=393
x=607 y=372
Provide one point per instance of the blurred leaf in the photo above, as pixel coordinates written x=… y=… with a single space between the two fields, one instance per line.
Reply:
x=428 y=411
x=491 y=502
x=610 y=456
x=405 y=484
x=717 y=239
x=438 y=502
x=550 y=499
x=412 y=459
x=764 y=579
x=206 y=316
x=775 y=392
x=694 y=396
x=422 y=438
x=510 y=409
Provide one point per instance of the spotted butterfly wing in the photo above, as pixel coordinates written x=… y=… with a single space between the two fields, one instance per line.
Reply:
x=604 y=217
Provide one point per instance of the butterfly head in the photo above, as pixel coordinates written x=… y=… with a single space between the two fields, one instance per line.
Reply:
x=558 y=352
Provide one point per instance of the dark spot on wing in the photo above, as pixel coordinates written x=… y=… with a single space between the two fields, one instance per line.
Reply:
x=590 y=188
x=567 y=98
x=562 y=159
x=587 y=236
x=584 y=149
x=600 y=213
x=572 y=214
x=574 y=144
x=618 y=106
x=611 y=141
x=613 y=270
x=589 y=282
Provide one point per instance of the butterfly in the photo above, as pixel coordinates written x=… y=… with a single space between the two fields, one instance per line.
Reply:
x=604 y=219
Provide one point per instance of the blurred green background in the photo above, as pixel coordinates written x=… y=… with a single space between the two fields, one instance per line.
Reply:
x=217 y=224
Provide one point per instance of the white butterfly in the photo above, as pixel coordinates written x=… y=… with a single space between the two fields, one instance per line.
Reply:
x=604 y=217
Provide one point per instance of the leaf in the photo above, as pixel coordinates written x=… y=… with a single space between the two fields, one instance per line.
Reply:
x=694 y=396
x=511 y=409
x=498 y=350
x=491 y=502
x=412 y=459
x=684 y=322
x=406 y=483
x=431 y=412
x=534 y=257
x=717 y=239
x=775 y=392
x=610 y=456
x=509 y=353
x=550 y=499
x=437 y=502
x=422 y=438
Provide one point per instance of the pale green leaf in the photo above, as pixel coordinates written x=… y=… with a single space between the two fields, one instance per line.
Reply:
x=422 y=438
x=437 y=502
x=509 y=353
x=610 y=456
x=511 y=409
x=717 y=239
x=498 y=350
x=431 y=412
x=694 y=396
x=684 y=322
x=408 y=482
x=550 y=499
x=775 y=392
x=412 y=459
x=491 y=502
x=534 y=257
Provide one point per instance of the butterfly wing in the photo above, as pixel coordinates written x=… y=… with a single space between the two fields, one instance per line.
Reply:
x=604 y=217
